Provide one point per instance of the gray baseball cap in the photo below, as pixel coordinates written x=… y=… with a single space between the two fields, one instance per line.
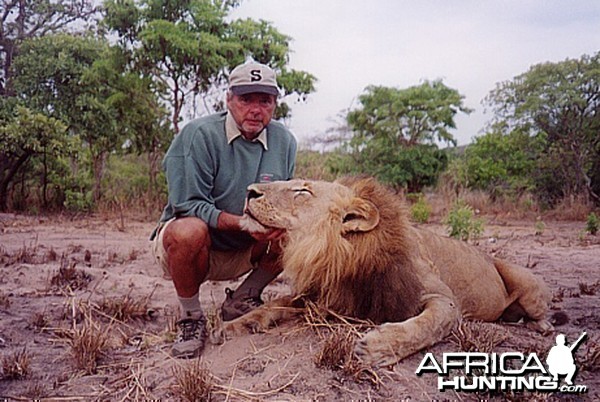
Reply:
x=253 y=77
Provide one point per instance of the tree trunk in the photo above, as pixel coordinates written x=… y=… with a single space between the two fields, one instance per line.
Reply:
x=177 y=105
x=11 y=171
x=45 y=182
x=98 y=164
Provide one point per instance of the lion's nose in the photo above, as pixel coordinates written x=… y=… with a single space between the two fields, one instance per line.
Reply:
x=253 y=192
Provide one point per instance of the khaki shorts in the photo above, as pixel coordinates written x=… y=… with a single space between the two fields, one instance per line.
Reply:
x=222 y=265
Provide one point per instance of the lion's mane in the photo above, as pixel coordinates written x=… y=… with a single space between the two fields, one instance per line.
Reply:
x=366 y=275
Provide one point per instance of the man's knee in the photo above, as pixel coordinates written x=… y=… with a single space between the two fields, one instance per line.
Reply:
x=186 y=232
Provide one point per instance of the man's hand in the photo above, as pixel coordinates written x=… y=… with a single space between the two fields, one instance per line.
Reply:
x=247 y=224
x=258 y=231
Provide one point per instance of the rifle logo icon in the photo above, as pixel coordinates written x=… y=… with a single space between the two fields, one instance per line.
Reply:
x=560 y=358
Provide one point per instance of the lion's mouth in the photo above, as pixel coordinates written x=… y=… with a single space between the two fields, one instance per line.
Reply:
x=270 y=225
x=248 y=212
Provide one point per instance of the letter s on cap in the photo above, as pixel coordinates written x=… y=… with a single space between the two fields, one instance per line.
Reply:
x=255 y=75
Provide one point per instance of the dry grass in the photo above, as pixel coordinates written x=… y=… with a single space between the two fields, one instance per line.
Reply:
x=589 y=289
x=572 y=208
x=591 y=358
x=15 y=366
x=27 y=254
x=36 y=391
x=88 y=344
x=51 y=255
x=126 y=308
x=337 y=353
x=114 y=258
x=517 y=207
x=40 y=320
x=339 y=335
x=88 y=341
x=4 y=301
x=131 y=384
x=475 y=336
x=524 y=206
x=69 y=277
x=560 y=294
x=24 y=255
x=193 y=382
x=214 y=326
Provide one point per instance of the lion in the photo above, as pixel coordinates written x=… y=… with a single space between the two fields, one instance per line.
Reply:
x=351 y=249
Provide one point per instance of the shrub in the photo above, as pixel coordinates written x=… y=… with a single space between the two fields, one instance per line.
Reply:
x=461 y=222
x=420 y=210
x=592 y=224
x=16 y=366
x=193 y=382
x=539 y=226
x=313 y=165
x=78 y=201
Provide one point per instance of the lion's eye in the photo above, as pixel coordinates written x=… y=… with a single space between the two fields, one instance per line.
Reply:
x=301 y=191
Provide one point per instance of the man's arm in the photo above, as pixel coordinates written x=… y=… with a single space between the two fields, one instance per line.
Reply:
x=190 y=176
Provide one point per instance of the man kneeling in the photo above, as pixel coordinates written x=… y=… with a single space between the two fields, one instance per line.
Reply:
x=202 y=234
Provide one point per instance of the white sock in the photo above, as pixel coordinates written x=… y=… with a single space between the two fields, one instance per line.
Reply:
x=190 y=306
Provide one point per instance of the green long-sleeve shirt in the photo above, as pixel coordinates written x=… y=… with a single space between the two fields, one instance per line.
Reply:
x=208 y=171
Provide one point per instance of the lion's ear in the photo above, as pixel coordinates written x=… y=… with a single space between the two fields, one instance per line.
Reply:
x=360 y=216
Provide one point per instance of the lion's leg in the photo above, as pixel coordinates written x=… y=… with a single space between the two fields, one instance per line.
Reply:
x=528 y=296
x=391 y=342
x=264 y=316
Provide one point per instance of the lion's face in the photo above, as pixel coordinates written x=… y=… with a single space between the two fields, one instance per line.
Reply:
x=343 y=239
x=300 y=204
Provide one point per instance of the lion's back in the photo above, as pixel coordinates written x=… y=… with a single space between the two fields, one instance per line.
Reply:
x=469 y=273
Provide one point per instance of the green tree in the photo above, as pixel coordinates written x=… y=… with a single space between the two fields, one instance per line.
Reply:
x=416 y=115
x=394 y=133
x=56 y=77
x=49 y=72
x=21 y=20
x=410 y=168
x=559 y=103
x=122 y=109
x=82 y=82
x=187 y=46
x=143 y=123
x=502 y=163
x=265 y=44
x=24 y=135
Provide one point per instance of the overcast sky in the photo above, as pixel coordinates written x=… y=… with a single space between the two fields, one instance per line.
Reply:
x=470 y=44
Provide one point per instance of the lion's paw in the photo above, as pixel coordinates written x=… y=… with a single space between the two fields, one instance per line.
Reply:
x=542 y=326
x=373 y=349
x=242 y=326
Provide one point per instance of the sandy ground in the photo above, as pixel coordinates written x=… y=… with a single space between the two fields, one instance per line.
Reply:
x=63 y=279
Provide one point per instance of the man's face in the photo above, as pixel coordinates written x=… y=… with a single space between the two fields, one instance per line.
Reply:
x=252 y=112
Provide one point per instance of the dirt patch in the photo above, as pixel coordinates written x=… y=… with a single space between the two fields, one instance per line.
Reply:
x=85 y=314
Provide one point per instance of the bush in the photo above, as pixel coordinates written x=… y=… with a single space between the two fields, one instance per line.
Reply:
x=461 y=222
x=76 y=201
x=592 y=224
x=313 y=165
x=409 y=168
x=420 y=210
x=127 y=185
x=502 y=163
x=539 y=227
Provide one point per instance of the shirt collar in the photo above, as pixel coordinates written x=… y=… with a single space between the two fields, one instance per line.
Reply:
x=232 y=132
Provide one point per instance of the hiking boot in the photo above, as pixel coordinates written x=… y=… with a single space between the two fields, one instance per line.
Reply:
x=191 y=337
x=237 y=304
